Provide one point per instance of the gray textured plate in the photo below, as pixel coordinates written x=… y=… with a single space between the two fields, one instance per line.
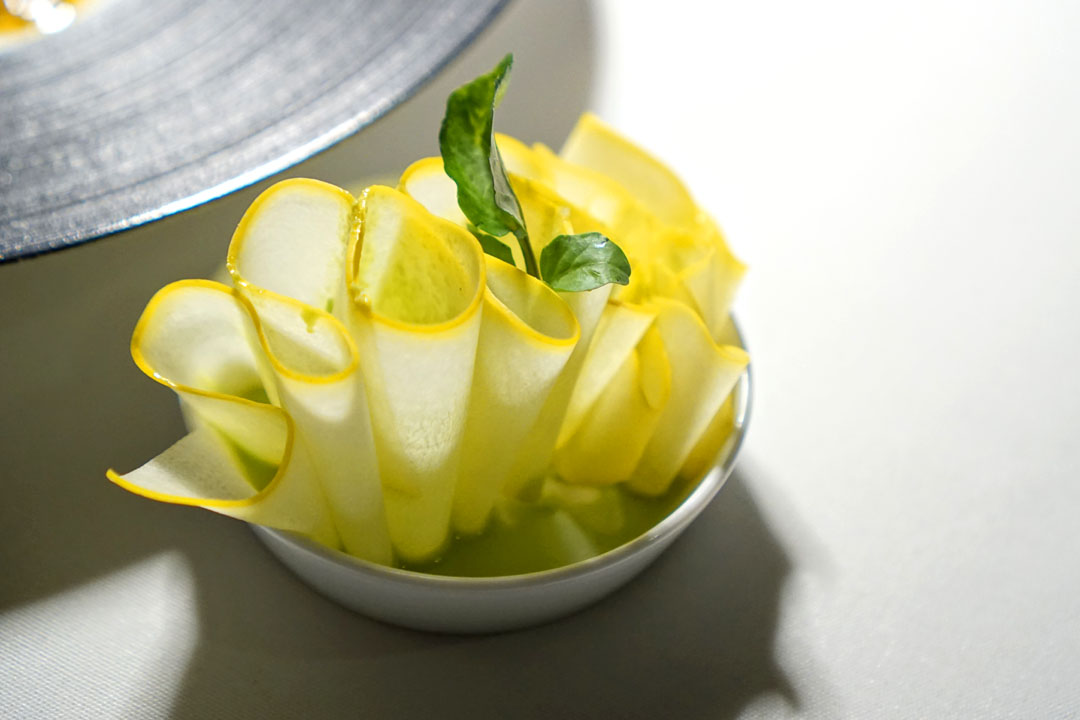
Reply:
x=146 y=108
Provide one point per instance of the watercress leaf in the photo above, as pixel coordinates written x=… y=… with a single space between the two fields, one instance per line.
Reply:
x=471 y=158
x=492 y=246
x=571 y=263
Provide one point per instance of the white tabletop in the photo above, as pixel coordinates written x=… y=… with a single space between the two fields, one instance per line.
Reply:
x=899 y=538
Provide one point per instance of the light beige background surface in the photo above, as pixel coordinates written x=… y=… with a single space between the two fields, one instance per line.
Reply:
x=900 y=539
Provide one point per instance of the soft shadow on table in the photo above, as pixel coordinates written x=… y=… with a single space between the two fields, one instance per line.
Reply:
x=691 y=638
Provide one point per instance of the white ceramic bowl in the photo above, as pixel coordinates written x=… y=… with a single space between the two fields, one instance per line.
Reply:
x=492 y=604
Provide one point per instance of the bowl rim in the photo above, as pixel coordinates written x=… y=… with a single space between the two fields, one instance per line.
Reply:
x=695 y=501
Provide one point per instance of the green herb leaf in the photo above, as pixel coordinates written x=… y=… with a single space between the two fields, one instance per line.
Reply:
x=472 y=160
x=492 y=246
x=571 y=263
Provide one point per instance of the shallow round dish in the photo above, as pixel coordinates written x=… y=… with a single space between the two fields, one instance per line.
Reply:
x=481 y=605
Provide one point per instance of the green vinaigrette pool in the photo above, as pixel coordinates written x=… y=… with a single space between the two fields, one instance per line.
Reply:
x=560 y=525
x=525 y=537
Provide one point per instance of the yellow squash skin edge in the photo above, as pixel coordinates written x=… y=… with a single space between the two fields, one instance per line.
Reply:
x=535 y=452
x=291 y=500
x=286 y=269
x=313 y=356
x=419 y=374
x=703 y=374
x=594 y=144
x=526 y=337
x=610 y=440
x=416 y=387
x=547 y=215
x=692 y=303
x=618 y=332
x=601 y=158
x=693 y=267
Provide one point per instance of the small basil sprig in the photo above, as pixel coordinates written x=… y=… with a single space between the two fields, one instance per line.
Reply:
x=570 y=263
x=471 y=158
x=492 y=246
